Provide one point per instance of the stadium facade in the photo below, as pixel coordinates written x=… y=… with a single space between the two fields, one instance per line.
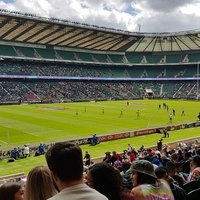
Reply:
x=53 y=60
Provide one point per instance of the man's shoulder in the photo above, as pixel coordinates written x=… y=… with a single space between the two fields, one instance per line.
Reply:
x=79 y=192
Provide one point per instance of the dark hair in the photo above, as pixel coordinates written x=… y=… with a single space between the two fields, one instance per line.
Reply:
x=178 y=164
x=66 y=161
x=161 y=172
x=106 y=180
x=198 y=151
x=8 y=190
x=170 y=165
x=196 y=159
x=126 y=166
x=174 y=156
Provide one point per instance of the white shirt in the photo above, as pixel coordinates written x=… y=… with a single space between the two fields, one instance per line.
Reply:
x=78 y=192
x=26 y=150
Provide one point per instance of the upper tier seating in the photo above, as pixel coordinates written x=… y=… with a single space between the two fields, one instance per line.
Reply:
x=99 y=57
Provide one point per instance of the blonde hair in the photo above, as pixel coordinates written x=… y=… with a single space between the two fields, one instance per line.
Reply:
x=40 y=184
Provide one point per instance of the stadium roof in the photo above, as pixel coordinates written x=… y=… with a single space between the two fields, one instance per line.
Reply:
x=16 y=27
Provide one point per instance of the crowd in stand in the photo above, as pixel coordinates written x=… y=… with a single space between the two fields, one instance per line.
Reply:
x=58 y=90
x=79 y=90
x=170 y=173
x=87 y=90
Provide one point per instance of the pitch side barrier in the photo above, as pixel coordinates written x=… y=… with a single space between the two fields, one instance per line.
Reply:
x=109 y=137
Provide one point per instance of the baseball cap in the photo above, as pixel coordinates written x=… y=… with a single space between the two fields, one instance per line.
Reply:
x=144 y=167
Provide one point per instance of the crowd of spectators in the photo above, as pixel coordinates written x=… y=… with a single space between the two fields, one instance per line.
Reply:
x=24 y=152
x=52 y=91
x=58 y=90
x=178 y=166
x=168 y=173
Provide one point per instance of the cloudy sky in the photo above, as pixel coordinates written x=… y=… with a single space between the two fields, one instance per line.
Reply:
x=131 y=15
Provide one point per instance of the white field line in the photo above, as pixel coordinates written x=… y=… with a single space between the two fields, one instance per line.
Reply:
x=41 y=132
x=3 y=142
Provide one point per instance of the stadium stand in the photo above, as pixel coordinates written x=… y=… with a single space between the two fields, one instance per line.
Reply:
x=83 y=62
x=61 y=61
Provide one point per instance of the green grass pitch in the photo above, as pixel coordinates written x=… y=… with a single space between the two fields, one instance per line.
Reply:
x=32 y=124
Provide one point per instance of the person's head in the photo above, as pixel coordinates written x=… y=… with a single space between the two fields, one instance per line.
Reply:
x=195 y=162
x=198 y=151
x=174 y=157
x=171 y=167
x=114 y=153
x=187 y=155
x=105 y=179
x=162 y=173
x=142 y=172
x=126 y=166
x=12 y=191
x=40 y=184
x=65 y=161
x=178 y=166
x=149 y=151
x=107 y=154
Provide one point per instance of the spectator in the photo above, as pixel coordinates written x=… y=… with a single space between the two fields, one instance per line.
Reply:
x=178 y=192
x=171 y=168
x=41 y=148
x=107 y=180
x=174 y=157
x=155 y=160
x=180 y=155
x=115 y=159
x=179 y=171
x=95 y=139
x=159 y=144
x=145 y=183
x=130 y=148
x=65 y=160
x=198 y=151
x=12 y=191
x=150 y=152
x=26 y=150
x=126 y=173
x=130 y=156
x=186 y=162
x=107 y=157
x=87 y=159
x=15 y=153
x=40 y=184
x=194 y=168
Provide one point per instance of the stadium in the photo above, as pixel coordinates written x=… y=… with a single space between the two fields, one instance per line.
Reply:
x=58 y=65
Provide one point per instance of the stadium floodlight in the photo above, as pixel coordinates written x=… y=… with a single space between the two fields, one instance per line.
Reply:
x=139 y=26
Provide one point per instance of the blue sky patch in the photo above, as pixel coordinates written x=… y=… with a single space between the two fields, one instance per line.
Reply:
x=9 y=1
x=131 y=10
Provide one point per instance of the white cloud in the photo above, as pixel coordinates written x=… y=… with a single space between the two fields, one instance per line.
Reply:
x=152 y=15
